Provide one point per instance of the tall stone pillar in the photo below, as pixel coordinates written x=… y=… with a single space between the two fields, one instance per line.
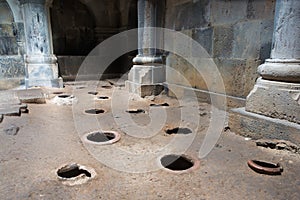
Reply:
x=41 y=65
x=277 y=93
x=148 y=72
x=273 y=106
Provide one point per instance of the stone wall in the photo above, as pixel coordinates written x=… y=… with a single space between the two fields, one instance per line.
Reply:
x=12 y=70
x=72 y=28
x=236 y=34
x=79 y=26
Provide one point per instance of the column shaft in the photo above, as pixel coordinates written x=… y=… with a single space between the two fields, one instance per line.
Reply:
x=41 y=64
x=277 y=93
x=284 y=64
x=147 y=75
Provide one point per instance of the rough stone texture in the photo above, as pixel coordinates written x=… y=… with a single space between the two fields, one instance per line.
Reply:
x=187 y=14
x=275 y=99
x=279 y=145
x=223 y=41
x=286 y=35
x=246 y=41
x=179 y=91
x=144 y=90
x=226 y=12
x=238 y=75
x=221 y=31
x=257 y=126
x=36 y=96
x=204 y=38
x=12 y=67
x=147 y=74
x=10 y=111
x=69 y=66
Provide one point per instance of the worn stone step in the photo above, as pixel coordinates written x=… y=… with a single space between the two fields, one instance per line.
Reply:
x=36 y=96
x=11 y=111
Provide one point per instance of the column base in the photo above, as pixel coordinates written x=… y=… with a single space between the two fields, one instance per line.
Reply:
x=144 y=90
x=146 y=80
x=258 y=126
x=275 y=99
x=54 y=83
x=42 y=70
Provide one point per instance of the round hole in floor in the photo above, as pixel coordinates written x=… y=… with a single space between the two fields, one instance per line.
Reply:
x=63 y=96
x=106 y=86
x=75 y=174
x=177 y=162
x=57 y=92
x=72 y=171
x=102 y=137
x=103 y=97
x=135 y=111
x=178 y=130
x=93 y=92
x=159 y=105
x=95 y=111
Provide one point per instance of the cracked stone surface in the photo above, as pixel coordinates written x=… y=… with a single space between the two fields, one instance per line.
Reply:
x=48 y=139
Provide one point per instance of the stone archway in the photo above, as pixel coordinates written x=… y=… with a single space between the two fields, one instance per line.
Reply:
x=12 y=70
x=15 y=9
x=8 y=33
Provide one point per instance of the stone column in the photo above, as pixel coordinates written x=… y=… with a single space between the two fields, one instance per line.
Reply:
x=148 y=72
x=41 y=65
x=277 y=93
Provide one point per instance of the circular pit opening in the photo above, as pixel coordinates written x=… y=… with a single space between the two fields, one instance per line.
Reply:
x=72 y=171
x=106 y=86
x=103 y=137
x=135 y=111
x=64 y=96
x=178 y=163
x=103 y=97
x=95 y=111
x=178 y=130
x=93 y=93
x=159 y=105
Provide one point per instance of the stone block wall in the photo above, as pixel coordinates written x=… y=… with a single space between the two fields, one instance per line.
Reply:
x=236 y=34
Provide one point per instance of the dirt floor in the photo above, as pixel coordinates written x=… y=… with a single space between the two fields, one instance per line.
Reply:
x=52 y=135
